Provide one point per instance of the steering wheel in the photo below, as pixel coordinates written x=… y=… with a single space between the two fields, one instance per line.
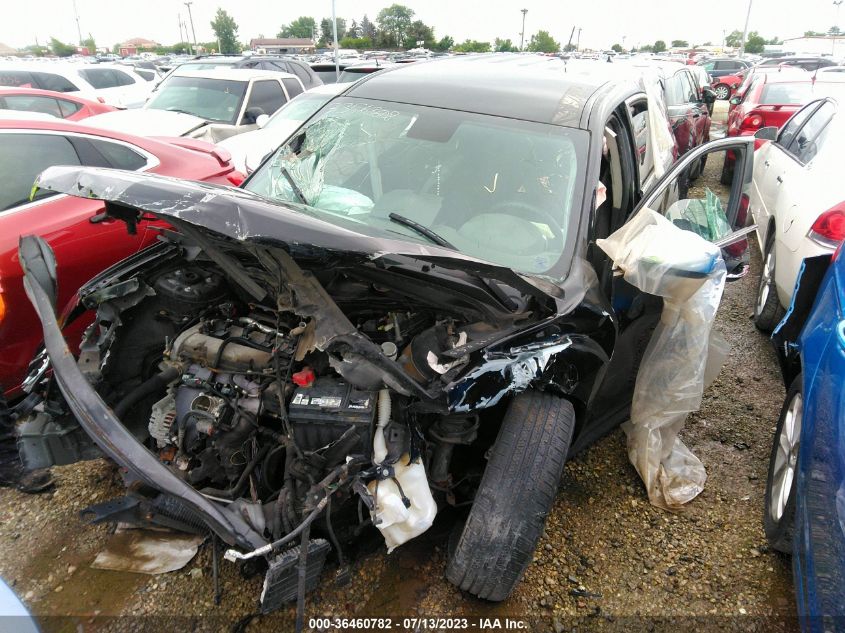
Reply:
x=525 y=210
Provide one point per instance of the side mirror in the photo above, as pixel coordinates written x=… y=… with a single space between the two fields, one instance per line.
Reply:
x=261 y=120
x=251 y=115
x=708 y=94
x=769 y=133
x=735 y=101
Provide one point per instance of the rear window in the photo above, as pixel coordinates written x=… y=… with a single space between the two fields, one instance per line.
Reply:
x=786 y=94
x=51 y=81
x=102 y=78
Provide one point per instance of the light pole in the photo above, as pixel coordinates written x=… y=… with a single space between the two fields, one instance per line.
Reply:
x=745 y=30
x=179 y=17
x=334 y=37
x=78 y=29
x=578 y=41
x=191 y=18
x=522 y=33
x=837 y=4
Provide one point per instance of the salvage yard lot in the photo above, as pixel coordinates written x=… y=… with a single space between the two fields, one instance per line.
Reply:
x=607 y=555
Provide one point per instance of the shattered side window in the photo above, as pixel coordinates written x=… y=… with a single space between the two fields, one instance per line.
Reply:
x=498 y=189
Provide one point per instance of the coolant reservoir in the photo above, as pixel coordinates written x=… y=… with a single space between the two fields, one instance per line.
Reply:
x=397 y=523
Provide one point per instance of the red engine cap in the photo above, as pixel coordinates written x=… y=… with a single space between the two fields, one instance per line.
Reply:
x=305 y=377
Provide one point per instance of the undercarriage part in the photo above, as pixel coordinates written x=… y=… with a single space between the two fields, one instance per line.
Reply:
x=281 y=579
x=447 y=433
x=43 y=442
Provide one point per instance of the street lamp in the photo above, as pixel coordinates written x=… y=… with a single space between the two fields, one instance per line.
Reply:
x=191 y=17
x=522 y=33
x=837 y=4
x=78 y=28
x=745 y=30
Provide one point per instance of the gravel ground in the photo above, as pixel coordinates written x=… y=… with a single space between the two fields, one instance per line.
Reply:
x=608 y=560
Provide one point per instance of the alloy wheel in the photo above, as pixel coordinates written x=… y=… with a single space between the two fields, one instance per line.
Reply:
x=722 y=92
x=786 y=457
x=765 y=281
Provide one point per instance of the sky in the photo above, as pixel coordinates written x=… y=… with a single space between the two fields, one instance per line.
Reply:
x=602 y=22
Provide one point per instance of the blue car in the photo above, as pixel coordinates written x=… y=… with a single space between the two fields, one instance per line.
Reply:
x=805 y=488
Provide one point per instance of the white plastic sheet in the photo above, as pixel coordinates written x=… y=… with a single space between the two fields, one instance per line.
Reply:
x=688 y=272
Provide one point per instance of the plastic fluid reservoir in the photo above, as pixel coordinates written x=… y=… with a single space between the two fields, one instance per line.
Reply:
x=397 y=523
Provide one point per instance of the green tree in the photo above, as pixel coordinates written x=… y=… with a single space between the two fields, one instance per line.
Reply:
x=680 y=44
x=618 y=48
x=37 y=50
x=368 y=29
x=472 y=46
x=734 y=39
x=303 y=26
x=90 y=44
x=327 y=34
x=360 y=43
x=659 y=46
x=419 y=31
x=354 y=30
x=542 y=42
x=775 y=41
x=834 y=30
x=394 y=21
x=226 y=30
x=445 y=43
x=813 y=34
x=568 y=48
x=755 y=43
x=60 y=49
x=504 y=46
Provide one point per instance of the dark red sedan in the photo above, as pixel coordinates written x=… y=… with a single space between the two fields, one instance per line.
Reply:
x=83 y=244
x=58 y=104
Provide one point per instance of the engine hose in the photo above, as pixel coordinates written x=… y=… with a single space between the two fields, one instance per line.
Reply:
x=236 y=490
x=146 y=388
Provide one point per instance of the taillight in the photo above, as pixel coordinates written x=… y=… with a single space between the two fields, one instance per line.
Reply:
x=752 y=122
x=829 y=228
x=2 y=307
x=236 y=178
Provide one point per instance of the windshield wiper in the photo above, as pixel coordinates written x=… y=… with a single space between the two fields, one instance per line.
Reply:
x=180 y=111
x=296 y=190
x=422 y=230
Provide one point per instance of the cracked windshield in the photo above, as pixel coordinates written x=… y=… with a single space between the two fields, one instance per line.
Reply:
x=437 y=176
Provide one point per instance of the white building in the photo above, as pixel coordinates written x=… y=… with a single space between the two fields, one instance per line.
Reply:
x=816 y=45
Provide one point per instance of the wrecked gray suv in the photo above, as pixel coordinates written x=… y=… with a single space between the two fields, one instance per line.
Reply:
x=402 y=309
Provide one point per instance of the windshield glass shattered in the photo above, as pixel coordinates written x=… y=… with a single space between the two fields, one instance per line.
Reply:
x=501 y=190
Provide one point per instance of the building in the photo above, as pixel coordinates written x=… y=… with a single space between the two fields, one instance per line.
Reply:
x=7 y=50
x=278 y=45
x=815 y=45
x=136 y=45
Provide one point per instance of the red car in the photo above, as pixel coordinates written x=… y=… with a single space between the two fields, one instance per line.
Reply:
x=84 y=245
x=735 y=85
x=769 y=100
x=58 y=104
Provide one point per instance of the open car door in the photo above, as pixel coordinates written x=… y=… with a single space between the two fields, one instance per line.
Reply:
x=692 y=197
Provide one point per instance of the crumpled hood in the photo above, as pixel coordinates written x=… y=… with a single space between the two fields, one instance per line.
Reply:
x=243 y=215
x=148 y=122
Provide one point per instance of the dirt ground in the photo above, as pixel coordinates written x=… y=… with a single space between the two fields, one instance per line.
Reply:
x=608 y=560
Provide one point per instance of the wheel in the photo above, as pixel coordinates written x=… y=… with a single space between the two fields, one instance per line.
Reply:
x=727 y=175
x=722 y=91
x=516 y=493
x=767 y=311
x=779 y=515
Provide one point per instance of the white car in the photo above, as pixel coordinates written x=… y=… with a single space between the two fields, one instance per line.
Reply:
x=116 y=85
x=211 y=105
x=797 y=201
x=249 y=149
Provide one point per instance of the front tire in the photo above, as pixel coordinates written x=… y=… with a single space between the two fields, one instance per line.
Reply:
x=767 y=311
x=779 y=515
x=515 y=496
x=722 y=91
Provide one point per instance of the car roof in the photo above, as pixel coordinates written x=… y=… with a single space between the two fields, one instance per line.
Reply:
x=69 y=96
x=23 y=115
x=231 y=74
x=528 y=87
